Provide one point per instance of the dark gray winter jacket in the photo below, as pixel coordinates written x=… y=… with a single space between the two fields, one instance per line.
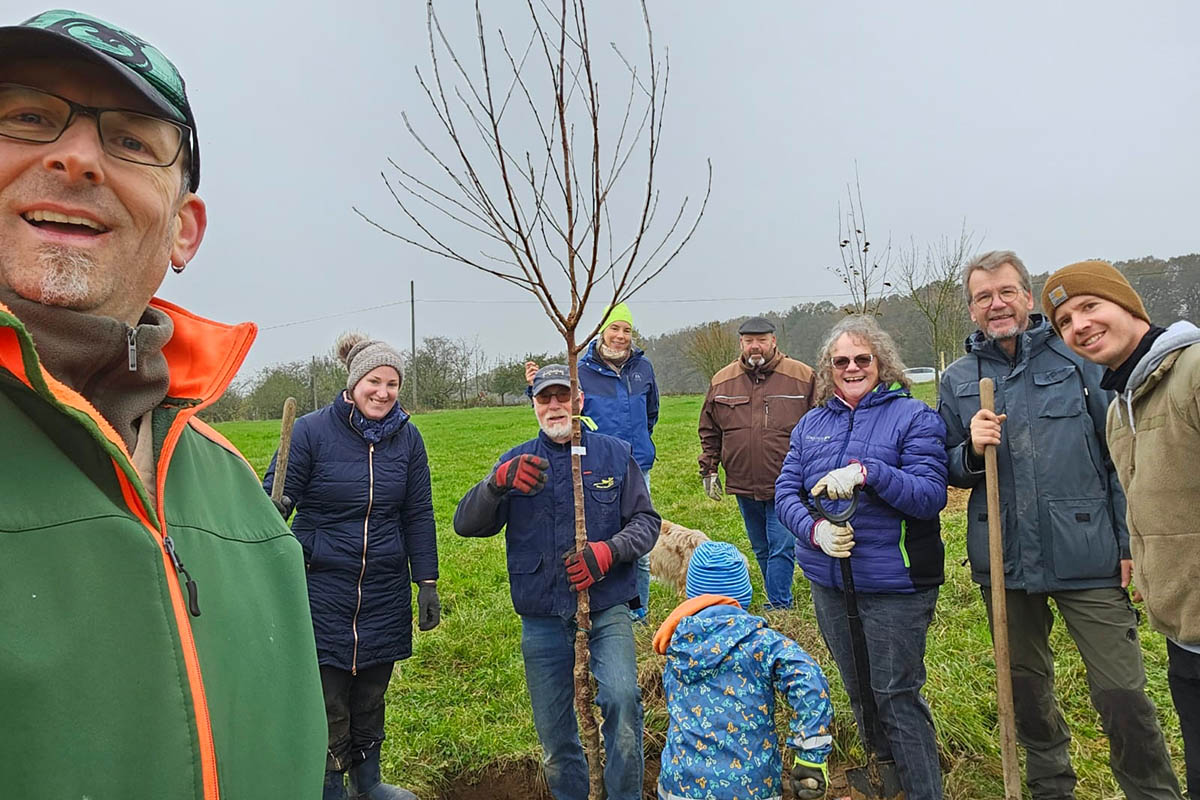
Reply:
x=1062 y=505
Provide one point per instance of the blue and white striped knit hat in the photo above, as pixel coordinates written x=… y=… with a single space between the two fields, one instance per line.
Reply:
x=719 y=568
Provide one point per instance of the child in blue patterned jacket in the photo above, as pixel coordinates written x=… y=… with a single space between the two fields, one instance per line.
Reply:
x=723 y=667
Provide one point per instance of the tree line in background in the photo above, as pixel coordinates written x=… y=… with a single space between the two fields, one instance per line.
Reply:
x=925 y=312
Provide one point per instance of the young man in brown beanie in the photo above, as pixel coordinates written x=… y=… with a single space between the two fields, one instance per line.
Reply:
x=1153 y=435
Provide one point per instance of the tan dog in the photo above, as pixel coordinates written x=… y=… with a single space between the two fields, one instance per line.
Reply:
x=670 y=556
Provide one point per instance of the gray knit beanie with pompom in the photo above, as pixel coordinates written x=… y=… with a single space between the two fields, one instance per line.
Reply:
x=361 y=355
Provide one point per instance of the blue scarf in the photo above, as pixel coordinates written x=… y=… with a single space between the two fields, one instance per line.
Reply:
x=373 y=431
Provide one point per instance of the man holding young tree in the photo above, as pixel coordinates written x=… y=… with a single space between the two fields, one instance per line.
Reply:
x=530 y=494
x=1064 y=529
x=1154 y=436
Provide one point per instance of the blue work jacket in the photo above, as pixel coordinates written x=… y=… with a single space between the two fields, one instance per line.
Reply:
x=623 y=405
x=1061 y=502
x=540 y=528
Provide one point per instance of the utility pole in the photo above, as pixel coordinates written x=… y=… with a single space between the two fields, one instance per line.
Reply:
x=412 y=315
x=312 y=381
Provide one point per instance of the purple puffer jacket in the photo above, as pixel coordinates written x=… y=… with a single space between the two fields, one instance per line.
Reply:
x=897 y=533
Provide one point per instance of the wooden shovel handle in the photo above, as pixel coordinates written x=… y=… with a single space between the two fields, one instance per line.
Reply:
x=1004 y=691
x=285 y=446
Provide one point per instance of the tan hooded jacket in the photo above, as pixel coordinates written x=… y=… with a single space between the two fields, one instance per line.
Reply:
x=1154 y=438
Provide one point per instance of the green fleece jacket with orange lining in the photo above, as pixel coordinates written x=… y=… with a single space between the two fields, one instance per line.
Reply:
x=111 y=685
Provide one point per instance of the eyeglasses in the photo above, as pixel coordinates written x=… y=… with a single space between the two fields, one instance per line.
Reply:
x=32 y=115
x=563 y=395
x=1006 y=295
x=862 y=361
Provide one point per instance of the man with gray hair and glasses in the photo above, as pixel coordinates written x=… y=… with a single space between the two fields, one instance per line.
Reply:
x=155 y=626
x=1065 y=536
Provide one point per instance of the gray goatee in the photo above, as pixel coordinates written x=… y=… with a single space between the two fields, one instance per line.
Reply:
x=66 y=275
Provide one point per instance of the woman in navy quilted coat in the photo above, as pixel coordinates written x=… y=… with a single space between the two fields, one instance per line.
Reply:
x=358 y=477
x=868 y=433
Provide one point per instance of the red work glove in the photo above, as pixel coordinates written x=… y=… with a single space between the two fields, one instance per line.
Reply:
x=584 y=569
x=526 y=473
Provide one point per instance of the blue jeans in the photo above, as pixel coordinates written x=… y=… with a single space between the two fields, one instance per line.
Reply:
x=773 y=546
x=895 y=626
x=643 y=571
x=548 y=648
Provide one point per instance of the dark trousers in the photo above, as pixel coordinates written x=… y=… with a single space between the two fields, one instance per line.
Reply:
x=1104 y=626
x=1183 y=676
x=894 y=626
x=354 y=711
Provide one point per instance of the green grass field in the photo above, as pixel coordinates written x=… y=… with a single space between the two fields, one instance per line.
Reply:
x=459 y=707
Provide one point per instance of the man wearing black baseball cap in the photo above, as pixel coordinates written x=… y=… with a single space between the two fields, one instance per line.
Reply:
x=530 y=495
x=157 y=639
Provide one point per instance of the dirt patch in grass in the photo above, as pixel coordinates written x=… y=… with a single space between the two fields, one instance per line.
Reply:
x=511 y=781
x=523 y=780
x=956 y=499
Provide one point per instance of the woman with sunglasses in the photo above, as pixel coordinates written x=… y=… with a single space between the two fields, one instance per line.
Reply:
x=358 y=477
x=867 y=435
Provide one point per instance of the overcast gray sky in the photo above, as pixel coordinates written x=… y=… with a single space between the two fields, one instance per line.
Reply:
x=1062 y=130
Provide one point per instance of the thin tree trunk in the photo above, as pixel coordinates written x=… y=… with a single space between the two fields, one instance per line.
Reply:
x=584 y=690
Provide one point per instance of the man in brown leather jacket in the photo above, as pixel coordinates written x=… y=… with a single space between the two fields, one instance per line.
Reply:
x=748 y=415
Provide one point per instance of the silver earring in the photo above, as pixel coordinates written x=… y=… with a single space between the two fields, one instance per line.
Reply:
x=178 y=268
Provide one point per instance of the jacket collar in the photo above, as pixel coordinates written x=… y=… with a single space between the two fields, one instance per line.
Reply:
x=553 y=445
x=1036 y=333
x=877 y=396
x=202 y=358
x=662 y=638
x=1178 y=336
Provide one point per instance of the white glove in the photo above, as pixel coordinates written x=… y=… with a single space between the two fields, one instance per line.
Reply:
x=712 y=486
x=837 y=541
x=838 y=484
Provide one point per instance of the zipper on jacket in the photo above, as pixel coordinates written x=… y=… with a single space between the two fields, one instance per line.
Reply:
x=363 y=569
x=131 y=346
x=193 y=594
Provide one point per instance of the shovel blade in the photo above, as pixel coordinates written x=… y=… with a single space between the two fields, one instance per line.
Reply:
x=884 y=785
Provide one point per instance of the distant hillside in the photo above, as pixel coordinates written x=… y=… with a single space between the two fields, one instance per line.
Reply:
x=1170 y=288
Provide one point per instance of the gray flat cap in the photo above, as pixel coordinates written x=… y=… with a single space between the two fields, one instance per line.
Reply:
x=756 y=325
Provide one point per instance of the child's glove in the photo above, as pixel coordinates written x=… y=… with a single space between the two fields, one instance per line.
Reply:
x=809 y=780
x=835 y=540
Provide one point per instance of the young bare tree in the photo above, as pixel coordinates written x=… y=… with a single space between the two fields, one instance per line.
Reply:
x=711 y=347
x=524 y=164
x=932 y=280
x=864 y=272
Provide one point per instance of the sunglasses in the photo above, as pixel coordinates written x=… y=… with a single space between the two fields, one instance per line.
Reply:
x=562 y=395
x=862 y=361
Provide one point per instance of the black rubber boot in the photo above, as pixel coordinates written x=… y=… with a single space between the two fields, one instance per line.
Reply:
x=335 y=786
x=365 y=783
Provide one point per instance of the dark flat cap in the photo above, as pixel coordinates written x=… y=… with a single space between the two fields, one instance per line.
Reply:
x=756 y=325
